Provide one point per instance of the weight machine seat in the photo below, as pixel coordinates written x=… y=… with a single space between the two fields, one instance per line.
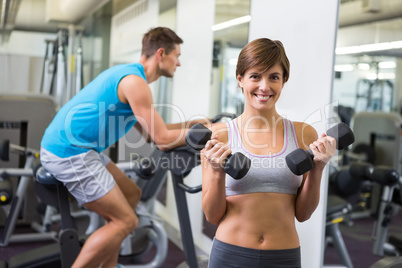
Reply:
x=337 y=206
x=388 y=262
x=337 y=209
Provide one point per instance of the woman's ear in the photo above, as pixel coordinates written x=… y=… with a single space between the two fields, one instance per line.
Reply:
x=240 y=81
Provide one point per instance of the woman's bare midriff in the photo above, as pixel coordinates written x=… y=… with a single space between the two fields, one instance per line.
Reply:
x=270 y=224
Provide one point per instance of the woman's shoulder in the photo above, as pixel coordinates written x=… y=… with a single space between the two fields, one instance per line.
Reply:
x=220 y=132
x=305 y=133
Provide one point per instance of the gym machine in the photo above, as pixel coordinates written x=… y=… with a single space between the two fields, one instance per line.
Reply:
x=43 y=231
x=338 y=210
x=178 y=162
x=378 y=138
x=63 y=63
x=387 y=181
x=63 y=252
x=17 y=199
x=374 y=95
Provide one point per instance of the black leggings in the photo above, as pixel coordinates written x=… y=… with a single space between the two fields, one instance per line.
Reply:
x=227 y=255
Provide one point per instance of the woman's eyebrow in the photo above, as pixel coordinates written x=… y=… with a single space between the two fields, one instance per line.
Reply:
x=254 y=73
x=276 y=73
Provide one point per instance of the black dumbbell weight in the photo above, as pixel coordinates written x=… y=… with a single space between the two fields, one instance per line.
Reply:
x=300 y=161
x=237 y=165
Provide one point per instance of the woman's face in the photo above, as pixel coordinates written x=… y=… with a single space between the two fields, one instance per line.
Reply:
x=262 y=90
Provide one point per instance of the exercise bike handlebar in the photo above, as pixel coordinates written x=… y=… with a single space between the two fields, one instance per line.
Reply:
x=218 y=117
x=141 y=166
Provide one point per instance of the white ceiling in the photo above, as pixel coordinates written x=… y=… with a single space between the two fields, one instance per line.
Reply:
x=356 y=26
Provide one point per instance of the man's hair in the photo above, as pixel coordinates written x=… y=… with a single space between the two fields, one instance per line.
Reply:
x=159 y=37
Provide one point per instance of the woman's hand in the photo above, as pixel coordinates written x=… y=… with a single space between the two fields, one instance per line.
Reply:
x=215 y=153
x=323 y=149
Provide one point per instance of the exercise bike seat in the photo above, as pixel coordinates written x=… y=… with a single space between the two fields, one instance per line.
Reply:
x=52 y=192
x=44 y=177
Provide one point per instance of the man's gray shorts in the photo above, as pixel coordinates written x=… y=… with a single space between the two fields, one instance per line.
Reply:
x=84 y=175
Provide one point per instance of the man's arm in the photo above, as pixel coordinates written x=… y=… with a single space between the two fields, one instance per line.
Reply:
x=143 y=132
x=135 y=91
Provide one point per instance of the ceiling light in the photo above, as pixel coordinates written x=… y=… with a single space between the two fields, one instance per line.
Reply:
x=368 y=48
x=380 y=76
x=363 y=66
x=231 y=23
x=387 y=65
x=386 y=76
x=343 y=67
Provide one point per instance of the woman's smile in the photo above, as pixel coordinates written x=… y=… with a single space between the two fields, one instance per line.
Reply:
x=263 y=97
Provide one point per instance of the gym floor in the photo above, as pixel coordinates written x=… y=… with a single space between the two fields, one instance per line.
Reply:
x=357 y=239
x=359 y=242
x=175 y=256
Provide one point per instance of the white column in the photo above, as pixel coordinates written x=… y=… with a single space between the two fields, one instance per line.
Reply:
x=192 y=86
x=308 y=31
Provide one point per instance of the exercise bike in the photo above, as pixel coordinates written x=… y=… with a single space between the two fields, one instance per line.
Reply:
x=179 y=162
x=151 y=173
x=64 y=252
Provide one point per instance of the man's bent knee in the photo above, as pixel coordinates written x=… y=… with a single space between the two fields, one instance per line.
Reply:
x=137 y=192
x=134 y=196
x=130 y=223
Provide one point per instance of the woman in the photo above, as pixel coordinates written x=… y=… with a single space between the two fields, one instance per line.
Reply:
x=256 y=215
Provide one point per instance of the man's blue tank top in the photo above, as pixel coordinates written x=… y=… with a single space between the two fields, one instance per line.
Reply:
x=268 y=173
x=95 y=118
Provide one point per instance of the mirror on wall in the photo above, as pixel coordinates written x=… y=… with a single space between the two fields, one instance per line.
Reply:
x=366 y=65
x=230 y=36
x=367 y=91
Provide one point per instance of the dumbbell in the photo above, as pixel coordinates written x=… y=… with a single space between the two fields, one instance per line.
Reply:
x=237 y=165
x=300 y=161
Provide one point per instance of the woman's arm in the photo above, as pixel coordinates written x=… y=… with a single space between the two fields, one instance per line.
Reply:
x=213 y=176
x=323 y=149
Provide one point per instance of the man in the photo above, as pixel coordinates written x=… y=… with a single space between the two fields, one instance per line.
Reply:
x=96 y=118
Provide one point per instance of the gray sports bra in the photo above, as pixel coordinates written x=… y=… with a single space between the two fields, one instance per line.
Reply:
x=268 y=173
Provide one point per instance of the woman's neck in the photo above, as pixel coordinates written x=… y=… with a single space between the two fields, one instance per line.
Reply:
x=257 y=120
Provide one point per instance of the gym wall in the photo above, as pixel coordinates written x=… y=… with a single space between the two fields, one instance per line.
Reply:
x=308 y=31
x=17 y=61
x=192 y=90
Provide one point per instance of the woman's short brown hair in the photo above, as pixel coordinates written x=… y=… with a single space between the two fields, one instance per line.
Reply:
x=263 y=53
